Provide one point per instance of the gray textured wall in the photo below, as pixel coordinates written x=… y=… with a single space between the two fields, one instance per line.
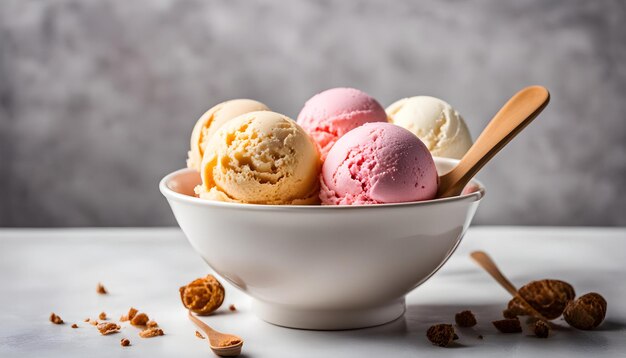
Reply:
x=97 y=98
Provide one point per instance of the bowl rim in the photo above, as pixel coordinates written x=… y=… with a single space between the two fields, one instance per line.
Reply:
x=172 y=195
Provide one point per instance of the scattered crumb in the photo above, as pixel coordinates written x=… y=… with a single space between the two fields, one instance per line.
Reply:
x=465 y=319
x=130 y=315
x=455 y=337
x=102 y=316
x=199 y=335
x=152 y=324
x=106 y=328
x=441 y=334
x=140 y=319
x=509 y=325
x=101 y=289
x=93 y=322
x=542 y=329
x=74 y=325
x=151 y=332
x=480 y=336
x=55 y=319
x=86 y=320
x=125 y=342
x=232 y=308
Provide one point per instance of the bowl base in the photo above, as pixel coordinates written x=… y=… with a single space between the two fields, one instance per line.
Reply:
x=328 y=319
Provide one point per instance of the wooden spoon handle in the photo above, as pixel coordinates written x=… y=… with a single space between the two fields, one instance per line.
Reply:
x=210 y=332
x=514 y=116
x=487 y=263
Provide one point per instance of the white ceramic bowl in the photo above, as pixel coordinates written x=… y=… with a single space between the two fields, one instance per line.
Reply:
x=323 y=267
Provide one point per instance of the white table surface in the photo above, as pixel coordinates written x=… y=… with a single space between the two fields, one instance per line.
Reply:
x=43 y=271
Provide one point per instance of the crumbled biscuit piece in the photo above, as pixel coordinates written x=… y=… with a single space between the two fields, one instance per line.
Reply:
x=541 y=329
x=151 y=332
x=509 y=325
x=480 y=336
x=55 y=319
x=74 y=325
x=587 y=312
x=203 y=295
x=101 y=289
x=441 y=334
x=547 y=297
x=108 y=328
x=199 y=335
x=151 y=324
x=232 y=308
x=125 y=342
x=140 y=319
x=465 y=319
x=130 y=315
x=94 y=322
x=87 y=319
x=229 y=342
x=102 y=316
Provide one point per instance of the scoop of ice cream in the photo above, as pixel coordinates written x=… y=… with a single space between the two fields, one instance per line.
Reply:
x=330 y=114
x=435 y=122
x=378 y=163
x=212 y=120
x=261 y=158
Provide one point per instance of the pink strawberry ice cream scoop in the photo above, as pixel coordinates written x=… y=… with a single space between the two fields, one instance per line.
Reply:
x=378 y=163
x=330 y=114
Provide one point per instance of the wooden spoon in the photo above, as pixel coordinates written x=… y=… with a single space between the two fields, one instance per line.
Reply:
x=485 y=261
x=514 y=116
x=222 y=344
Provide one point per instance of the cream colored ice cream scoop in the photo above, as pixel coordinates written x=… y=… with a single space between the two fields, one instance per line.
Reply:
x=212 y=120
x=261 y=158
x=435 y=122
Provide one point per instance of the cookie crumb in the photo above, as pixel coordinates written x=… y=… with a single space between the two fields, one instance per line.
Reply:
x=203 y=295
x=151 y=332
x=441 y=334
x=55 y=319
x=130 y=315
x=509 y=325
x=108 y=328
x=586 y=312
x=140 y=319
x=152 y=324
x=542 y=329
x=465 y=319
x=125 y=342
x=232 y=308
x=86 y=319
x=74 y=325
x=102 y=316
x=101 y=289
x=94 y=322
x=229 y=342
x=480 y=336
x=199 y=335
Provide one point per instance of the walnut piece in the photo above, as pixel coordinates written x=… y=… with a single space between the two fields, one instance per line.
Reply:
x=125 y=342
x=441 y=334
x=542 y=329
x=140 y=319
x=203 y=295
x=508 y=325
x=151 y=332
x=465 y=319
x=548 y=297
x=587 y=312
x=101 y=289
x=108 y=328
x=55 y=319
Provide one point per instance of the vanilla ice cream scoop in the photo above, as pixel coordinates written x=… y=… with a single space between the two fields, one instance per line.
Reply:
x=212 y=120
x=435 y=122
x=260 y=158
